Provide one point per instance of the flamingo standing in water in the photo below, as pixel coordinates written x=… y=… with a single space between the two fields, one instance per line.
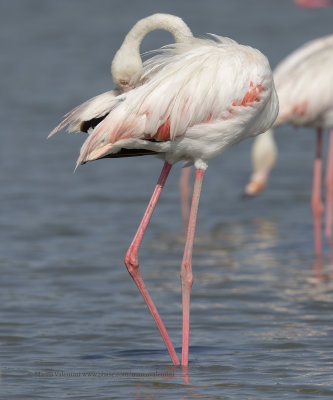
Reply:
x=188 y=103
x=304 y=83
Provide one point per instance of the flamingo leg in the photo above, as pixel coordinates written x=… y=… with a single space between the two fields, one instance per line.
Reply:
x=186 y=267
x=329 y=191
x=316 y=202
x=184 y=190
x=132 y=263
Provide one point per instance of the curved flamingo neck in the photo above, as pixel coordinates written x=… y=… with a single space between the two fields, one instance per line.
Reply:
x=127 y=61
x=167 y=22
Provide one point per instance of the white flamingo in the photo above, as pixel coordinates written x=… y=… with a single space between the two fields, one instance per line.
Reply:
x=304 y=83
x=189 y=102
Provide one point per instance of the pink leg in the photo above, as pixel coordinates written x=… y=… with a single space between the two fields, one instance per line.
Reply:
x=184 y=190
x=186 y=268
x=317 y=205
x=329 y=191
x=132 y=264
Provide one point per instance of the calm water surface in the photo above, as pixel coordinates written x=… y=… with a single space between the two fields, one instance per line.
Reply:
x=72 y=322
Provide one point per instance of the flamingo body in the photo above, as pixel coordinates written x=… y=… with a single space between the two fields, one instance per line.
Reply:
x=165 y=113
x=304 y=83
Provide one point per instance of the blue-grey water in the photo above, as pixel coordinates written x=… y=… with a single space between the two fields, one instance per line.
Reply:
x=73 y=324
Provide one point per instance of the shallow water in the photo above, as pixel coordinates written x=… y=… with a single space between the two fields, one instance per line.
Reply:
x=72 y=322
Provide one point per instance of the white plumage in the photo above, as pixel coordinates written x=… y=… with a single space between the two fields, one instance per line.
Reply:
x=304 y=83
x=207 y=94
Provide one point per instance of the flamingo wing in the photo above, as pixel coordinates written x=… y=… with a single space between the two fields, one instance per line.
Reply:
x=88 y=114
x=201 y=82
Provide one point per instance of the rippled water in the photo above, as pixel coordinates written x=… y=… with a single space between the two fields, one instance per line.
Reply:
x=72 y=322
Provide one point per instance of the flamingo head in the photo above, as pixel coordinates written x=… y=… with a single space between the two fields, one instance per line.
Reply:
x=124 y=67
x=264 y=154
x=257 y=183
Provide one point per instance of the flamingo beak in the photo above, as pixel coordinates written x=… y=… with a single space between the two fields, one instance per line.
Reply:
x=257 y=184
x=254 y=188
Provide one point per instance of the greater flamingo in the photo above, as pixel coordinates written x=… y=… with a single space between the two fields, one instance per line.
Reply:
x=189 y=102
x=304 y=83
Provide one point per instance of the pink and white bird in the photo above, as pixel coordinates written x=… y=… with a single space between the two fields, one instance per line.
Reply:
x=189 y=102
x=304 y=83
